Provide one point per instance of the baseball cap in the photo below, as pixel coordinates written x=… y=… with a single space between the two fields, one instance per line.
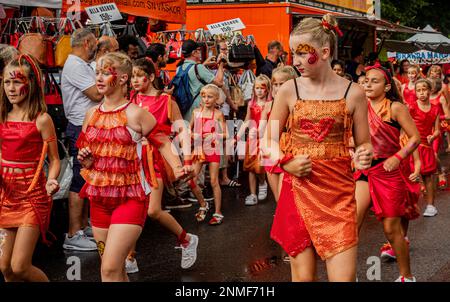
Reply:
x=189 y=46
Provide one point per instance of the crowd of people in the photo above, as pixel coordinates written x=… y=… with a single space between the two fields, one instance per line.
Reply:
x=330 y=139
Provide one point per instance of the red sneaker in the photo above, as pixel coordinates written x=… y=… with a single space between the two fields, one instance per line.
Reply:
x=387 y=252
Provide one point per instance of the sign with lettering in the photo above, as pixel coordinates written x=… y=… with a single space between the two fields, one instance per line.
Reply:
x=173 y=11
x=225 y=26
x=423 y=57
x=103 y=13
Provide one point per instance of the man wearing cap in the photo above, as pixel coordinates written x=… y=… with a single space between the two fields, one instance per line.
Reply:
x=192 y=52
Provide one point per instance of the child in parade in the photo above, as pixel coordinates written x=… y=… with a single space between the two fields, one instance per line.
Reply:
x=280 y=75
x=385 y=183
x=27 y=136
x=326 y=109
x=408 y=90
x=252 y=161
x=209 y=133
x=426 y=117
x=109 y=151
x=166 y=112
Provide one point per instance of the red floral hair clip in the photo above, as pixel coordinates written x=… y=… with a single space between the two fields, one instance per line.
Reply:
x=332 y=27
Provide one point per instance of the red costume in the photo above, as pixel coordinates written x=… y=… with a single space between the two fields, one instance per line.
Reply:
x=437 y=143
x=207 y=149
x=318 y=209
x=409 y=96
x=23 y=197
x=252 y=160
x=114 y=182
x=425 y=122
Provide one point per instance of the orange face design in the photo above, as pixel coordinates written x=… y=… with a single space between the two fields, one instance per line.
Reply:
x=306 y=48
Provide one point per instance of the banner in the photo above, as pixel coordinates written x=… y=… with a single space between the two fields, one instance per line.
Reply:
x=172 y=11
x=423 y=57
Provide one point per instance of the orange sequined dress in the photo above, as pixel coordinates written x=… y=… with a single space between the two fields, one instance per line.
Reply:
x=23 y=197
x=115 y=175
x=324 y=200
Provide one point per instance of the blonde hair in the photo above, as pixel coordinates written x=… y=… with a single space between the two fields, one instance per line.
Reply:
x=434 y=68
x=318 y=31
x=426 y=82
x=212 y=87
x=288 y=72
x=118 y=59
x=262 y=78
x=417 y=68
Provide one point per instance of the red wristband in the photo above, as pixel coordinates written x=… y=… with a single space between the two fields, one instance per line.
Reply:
x=398 y=157
x=285 y=159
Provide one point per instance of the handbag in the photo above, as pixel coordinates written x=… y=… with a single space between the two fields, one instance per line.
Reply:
x=62 y=46
x=236 y=93
x=52 y=91
x=55 y=106
x=37 y=45
x=66 y=175
x=240 y=52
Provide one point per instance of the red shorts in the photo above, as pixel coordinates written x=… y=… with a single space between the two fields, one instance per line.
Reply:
x=130 y=212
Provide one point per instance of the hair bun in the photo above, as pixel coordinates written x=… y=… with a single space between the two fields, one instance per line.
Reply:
x=330 y=24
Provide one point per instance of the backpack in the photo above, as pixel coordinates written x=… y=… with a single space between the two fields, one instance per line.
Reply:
x=182 y=93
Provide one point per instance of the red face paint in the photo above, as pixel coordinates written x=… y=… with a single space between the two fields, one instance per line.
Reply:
x=305 y=48
x=113 y=81
x=18 y=75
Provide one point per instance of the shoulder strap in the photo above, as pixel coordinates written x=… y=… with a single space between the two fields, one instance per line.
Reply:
x=348 y=89
x=296 y=89
x=198 y=76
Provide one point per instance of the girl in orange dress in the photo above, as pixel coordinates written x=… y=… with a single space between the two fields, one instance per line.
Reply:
x=166 y=112
x=27 y=136
x=325 y=109
x=252 y=160
x=110 y=153
x=209 y=132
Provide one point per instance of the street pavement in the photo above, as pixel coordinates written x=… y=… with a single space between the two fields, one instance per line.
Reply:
x=241 y=250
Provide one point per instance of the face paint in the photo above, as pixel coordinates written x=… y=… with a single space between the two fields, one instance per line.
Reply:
x=306 y=48
x=113 y=80
x=3 y=235
x=101 y=248
x=18 y=75
x=408 y=149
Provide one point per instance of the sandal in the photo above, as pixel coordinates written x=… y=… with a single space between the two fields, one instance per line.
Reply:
x=201 y=214
x=216 y=219
x=232 y=184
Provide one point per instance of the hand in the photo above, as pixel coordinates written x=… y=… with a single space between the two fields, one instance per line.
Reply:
x=363 y=158
x=430 y=139
x=391 y=164
x=51 y=186
x=210 y=61
x=299 y=166
x=85 y=157
x=415 y=177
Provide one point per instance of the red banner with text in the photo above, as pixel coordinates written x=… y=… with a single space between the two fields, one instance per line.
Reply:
x=173 y=11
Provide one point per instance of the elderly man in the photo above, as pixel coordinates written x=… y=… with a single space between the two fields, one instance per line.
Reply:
x=105 y=45
x=79 y=93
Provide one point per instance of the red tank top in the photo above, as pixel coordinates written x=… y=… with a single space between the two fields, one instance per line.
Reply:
x=255 y=112
x=156 y=105
x=409 y=95
x=21 y=141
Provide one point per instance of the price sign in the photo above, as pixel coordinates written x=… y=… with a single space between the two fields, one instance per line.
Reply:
x=103 y=13
x=225 y=26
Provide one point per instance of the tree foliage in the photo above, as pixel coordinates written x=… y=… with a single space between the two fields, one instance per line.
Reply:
x=418 y=13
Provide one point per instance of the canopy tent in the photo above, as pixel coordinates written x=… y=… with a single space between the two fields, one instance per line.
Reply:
x=37 y=3
x=429 y=37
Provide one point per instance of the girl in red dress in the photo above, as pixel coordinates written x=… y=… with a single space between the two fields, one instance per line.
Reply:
x=252 y=160
x=166 y=112
x=426 y=117
x=408 y=90
x=402 y=76
x=209 y=132
x=385 y=183
x=27 y=136
x=110 y=153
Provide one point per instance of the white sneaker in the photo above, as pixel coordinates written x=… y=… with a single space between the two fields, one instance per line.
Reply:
x=131 y=266
x=251 y=200
x=403 y=279
x=430 y=211
x=262 y=192
x=79 y=242
x=189 y=253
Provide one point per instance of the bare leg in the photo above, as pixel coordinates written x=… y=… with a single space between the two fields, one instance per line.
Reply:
x=7 y=239
x=429 y=184
x=214 y=175
x=303 y=266
x=274 y=181
x=342 y=267
x=405 y=226
x=252 y=182
x=362 y=195
x=121 y=238
x=24 y=245
x=394 y=233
